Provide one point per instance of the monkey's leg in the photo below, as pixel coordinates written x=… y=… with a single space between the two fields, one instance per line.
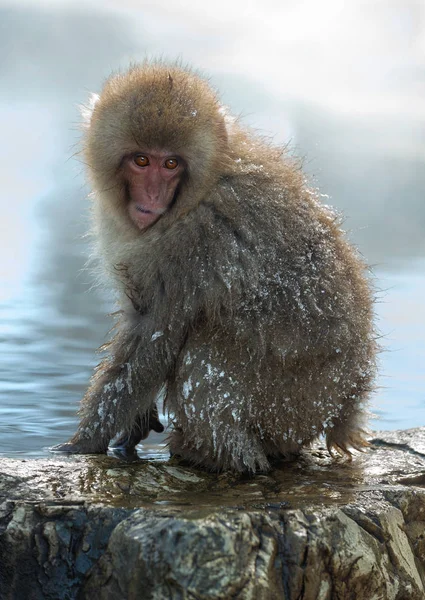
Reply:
x=214 y=410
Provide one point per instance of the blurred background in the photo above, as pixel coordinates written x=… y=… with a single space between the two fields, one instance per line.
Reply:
x=342 y=82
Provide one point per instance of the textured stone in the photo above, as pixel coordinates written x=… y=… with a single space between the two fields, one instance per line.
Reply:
x=314 y=529
x=227 y=556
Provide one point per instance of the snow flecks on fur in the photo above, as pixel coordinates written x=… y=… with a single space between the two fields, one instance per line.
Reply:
x=245 y=295
x=187 y=388
x=106 y=399
x=156 y=335
x=220 y=414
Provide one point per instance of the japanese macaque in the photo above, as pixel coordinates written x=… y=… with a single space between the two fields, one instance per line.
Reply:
x=238 y=291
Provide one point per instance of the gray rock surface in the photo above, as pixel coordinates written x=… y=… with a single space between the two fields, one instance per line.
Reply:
x=313 y=529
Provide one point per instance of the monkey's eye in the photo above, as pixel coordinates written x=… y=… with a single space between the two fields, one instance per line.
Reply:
x=141 y=161
x=171 y=163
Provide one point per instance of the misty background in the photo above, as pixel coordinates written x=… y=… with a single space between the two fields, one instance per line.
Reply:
x=342 y=82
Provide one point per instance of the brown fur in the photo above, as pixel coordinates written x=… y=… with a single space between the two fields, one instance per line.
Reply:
x=244 y=298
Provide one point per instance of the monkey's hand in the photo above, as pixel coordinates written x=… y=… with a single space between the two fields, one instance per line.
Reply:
x=79 y=446
x=128 y=440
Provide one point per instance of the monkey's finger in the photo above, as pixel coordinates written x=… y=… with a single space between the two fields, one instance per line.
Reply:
x=126 y=454
x=75 y=448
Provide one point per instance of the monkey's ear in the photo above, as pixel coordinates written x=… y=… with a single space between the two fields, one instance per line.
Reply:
x=86 y=110
x=229 y=120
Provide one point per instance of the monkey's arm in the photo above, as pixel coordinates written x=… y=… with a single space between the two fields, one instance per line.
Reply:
x=122 y=393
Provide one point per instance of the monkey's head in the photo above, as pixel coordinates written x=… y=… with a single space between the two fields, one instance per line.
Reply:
x=155 y=143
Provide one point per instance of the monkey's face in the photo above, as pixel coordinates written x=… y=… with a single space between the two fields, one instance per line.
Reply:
x=152 y=179
x=155 y=144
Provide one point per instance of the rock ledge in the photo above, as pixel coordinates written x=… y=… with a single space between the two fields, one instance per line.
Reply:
x=316 y=529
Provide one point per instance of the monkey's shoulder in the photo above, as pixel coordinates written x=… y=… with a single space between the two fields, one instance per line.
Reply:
x=274 y=194
x=272 y=210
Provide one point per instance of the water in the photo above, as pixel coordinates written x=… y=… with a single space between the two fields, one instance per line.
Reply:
x=370 y=161
x=400 y=401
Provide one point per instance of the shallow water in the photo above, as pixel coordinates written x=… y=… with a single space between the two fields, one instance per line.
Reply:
x=366 y=151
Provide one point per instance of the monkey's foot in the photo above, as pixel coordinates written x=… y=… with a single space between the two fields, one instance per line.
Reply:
x=227 y=458
x=139 y=431
x=128 y=455
x=79 y=447
x=343 y=444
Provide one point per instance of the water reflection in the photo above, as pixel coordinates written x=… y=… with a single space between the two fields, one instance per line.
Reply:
x=51 y=321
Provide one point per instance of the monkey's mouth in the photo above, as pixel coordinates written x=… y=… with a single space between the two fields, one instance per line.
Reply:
x=146 y=211
x=143 y=210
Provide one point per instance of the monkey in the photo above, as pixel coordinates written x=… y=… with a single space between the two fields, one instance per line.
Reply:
x=238 y=290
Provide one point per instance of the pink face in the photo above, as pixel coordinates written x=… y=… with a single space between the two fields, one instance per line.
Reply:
x=152 y=178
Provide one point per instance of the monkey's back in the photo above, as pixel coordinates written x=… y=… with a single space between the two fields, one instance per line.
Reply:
x=284 y=347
